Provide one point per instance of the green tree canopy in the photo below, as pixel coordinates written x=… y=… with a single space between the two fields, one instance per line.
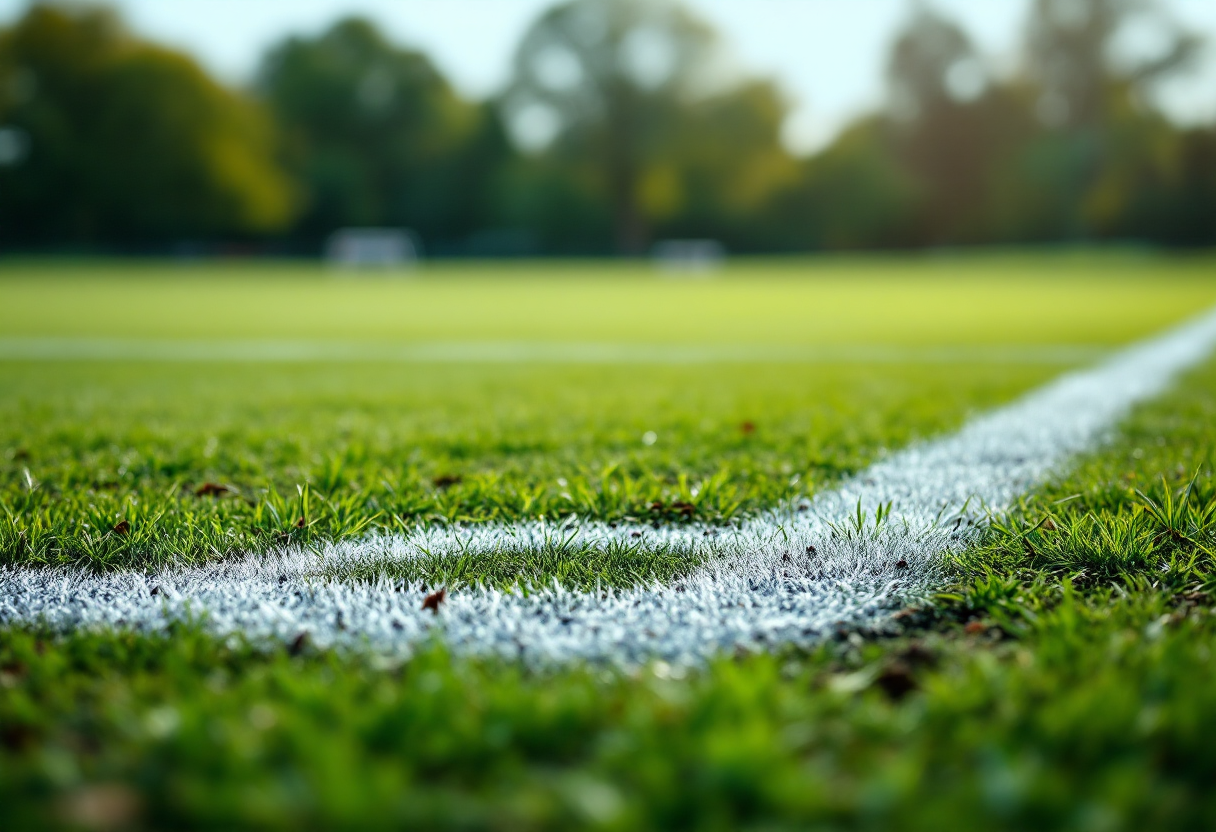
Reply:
x=1079 y=54
x=1106 y=163
x=951 y=126
x=637 y=102
x=124 y=142
x=376 y=134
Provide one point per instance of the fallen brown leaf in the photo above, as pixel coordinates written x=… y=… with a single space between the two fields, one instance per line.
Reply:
x=122 y=527
x=432 y=601
x=211 y=489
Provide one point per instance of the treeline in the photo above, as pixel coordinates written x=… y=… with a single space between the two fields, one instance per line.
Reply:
x=624 y=122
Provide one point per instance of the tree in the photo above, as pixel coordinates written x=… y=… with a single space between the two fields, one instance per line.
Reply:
x=951 y=127
x=377 y=135
x=721 y=167
x=1072 y=56
x=616 y=86
x=1104 y=151
x=126 y=142
x=854 y=194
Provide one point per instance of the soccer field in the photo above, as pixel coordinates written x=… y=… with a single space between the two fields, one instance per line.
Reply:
x=159 y=418
x=483 y=393
x=947 y=300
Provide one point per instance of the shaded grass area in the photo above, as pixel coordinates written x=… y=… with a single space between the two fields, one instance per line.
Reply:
x=130 y=464
x=1066 y=682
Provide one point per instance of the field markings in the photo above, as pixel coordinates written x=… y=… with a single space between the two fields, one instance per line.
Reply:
x=785 y=577
x=524 y=352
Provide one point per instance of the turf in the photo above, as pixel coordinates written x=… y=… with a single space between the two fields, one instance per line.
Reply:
x=1039 y=692
x=951 y=300
x=1064 y=681
x=352 y=450
x=139 y=463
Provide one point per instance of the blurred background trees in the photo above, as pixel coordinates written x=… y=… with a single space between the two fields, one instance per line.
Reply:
x=1103 y=163
x=623 y=122
x=108 y=141
x=635 y=103
x=375 y=135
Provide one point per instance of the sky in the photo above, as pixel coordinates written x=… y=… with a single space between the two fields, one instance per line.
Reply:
x=827 y=55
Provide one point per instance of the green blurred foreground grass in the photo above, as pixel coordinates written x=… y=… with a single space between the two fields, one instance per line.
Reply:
x=1056 y=687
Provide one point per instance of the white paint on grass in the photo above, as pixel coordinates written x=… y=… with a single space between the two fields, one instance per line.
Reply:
x=759 y=585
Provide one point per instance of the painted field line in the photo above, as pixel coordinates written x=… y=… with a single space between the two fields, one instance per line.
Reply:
x=524 y=352
x=786 y=577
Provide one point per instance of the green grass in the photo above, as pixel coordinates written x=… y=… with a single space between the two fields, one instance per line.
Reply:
x=352 y=448
x=1040 y=693
x=1066 y=680
x=1139 y=518
x=355 y=449
x=1082 y=298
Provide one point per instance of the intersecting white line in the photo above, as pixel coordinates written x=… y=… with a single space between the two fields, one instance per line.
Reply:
x=786 y=577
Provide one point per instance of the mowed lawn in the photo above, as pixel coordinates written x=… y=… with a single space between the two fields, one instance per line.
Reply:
x=206 y=457
x=1063 y=680
x=934 y=300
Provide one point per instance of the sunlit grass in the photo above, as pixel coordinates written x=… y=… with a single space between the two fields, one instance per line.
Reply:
x=1078 y=298
x=203 y=460
x=139 y=463
x=1057 y=692
x=1064 y=681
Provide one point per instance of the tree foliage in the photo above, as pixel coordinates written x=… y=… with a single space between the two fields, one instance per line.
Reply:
x=623 y=122
x=375 y=133
x=636 y=104
x=125 y=142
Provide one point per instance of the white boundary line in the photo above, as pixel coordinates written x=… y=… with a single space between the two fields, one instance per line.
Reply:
x=519 y=352
x=760 y=585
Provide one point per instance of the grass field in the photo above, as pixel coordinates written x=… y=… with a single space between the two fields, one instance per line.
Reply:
x=946 y=300
x=1063 y=680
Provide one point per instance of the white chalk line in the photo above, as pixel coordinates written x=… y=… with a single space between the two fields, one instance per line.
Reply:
x=522 y=352
x=782 y=578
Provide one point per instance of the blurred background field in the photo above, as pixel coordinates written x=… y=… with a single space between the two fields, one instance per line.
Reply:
x=1081 y=298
